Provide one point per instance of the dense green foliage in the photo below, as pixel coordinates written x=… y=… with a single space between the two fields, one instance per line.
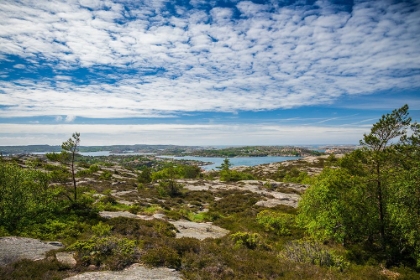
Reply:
x=373 y=198
x=25 y=197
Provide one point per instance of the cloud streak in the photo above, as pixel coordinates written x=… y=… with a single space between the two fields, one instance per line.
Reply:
x=180 y=134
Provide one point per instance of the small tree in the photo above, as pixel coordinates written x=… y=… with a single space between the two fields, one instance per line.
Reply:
x=70 y=148
x=225 y=173
x=390 y=129
x=145 y=176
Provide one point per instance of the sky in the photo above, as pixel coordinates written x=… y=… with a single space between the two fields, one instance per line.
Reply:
x=218 y=72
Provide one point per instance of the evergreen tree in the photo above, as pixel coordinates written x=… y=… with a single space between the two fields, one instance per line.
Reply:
x=70 y=148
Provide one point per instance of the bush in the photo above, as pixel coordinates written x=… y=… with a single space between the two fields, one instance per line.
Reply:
x=235 y=176
x=101 y=229
x=27 y=269
x=145 y=176
x=249 y=240
x=94 y=168
x=169 y=187
x=234 y=201
x=141 y=228
x=106 y=175
x=162 y=256
x=279 y=223
x=312 y=253
x=83 y=173
x=54 y=156
x=114 y=252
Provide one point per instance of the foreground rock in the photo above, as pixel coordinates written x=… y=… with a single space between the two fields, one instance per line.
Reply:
x=16 y=248
x=135 y=271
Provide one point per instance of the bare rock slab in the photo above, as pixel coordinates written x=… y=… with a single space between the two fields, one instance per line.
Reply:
x=200 y=231
x=115 y=214
x=134 y=272
x=66 y=258
x=16 y=248
x=126 y=214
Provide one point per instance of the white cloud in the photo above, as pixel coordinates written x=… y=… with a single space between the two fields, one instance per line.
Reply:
x=268 y=58
x=19 y=66
x=70 y=118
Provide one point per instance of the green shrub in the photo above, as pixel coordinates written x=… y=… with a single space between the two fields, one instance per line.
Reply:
x=249 y=240
x=61 y=175
x=94 y=168
x=83 y=173
x=108 y=198
x=52 y=167
x=186 y=245
x=162 y=256
x=101 y=229
x=106 y=175
x=280 y=223
x=234 y=201
x=112 y=251
x=54 y=156
x=3 y=232
x=145 y=176
x=312 y=253
x=169 y=187
x=134 y=209
x=27 y=269
x=141 y=228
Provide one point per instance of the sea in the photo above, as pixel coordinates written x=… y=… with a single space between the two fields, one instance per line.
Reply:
x=214 y=162
x=235 y=161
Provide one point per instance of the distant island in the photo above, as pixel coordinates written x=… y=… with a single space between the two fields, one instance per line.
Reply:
x=174 y=150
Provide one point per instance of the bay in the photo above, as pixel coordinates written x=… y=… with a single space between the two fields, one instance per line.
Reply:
x=235 y=161
x=108 y=153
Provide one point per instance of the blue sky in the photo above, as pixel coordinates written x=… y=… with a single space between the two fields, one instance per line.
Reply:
x=205 y=72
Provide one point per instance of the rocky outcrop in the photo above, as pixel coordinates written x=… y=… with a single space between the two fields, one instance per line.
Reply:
x=16 y=248
x=198 y=230
x=134 y=272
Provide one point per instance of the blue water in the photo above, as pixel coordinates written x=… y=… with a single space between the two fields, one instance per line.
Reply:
x=108 y=153
x=236 y=161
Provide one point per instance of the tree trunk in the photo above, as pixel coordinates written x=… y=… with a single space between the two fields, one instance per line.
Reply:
x=380 y=208
x=73 y=177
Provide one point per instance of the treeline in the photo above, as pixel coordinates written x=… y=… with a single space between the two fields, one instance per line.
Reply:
x=256 y=151
x=158 y=149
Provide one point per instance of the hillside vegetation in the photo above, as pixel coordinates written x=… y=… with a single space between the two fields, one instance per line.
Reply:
x=358 y=216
